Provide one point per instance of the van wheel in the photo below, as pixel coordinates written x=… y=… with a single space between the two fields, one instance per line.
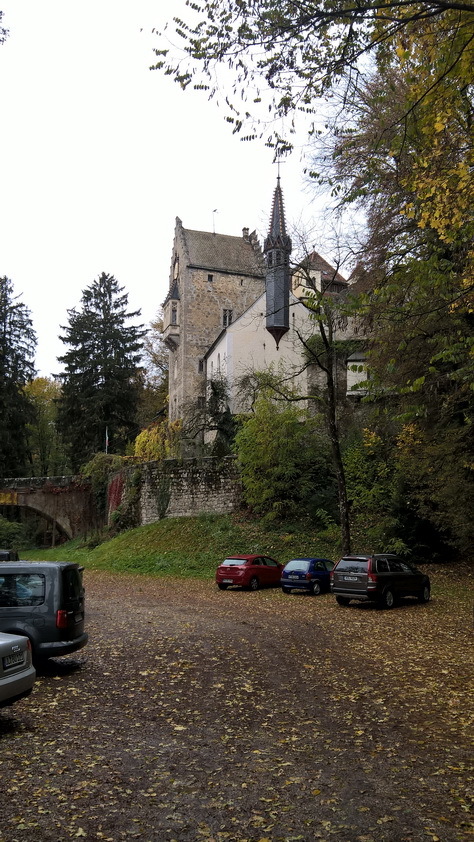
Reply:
x=388 y=599
x=316 y=588
x=425 y=594
x=342 y=600
x=254 y=584
x=222 y=587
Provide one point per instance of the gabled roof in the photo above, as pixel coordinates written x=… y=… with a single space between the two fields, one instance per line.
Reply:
x=315 y=263
x=224 y=253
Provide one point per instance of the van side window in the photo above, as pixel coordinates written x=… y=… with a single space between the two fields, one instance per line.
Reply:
x=382 y=565
x=21 y=589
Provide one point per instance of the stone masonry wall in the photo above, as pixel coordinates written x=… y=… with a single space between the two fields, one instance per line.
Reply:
x=190 y=487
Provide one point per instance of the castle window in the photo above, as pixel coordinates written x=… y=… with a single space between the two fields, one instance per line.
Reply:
x=218 y=362
x=226 y=318
x=210 y=278
x=174 y=314
x=201 y=366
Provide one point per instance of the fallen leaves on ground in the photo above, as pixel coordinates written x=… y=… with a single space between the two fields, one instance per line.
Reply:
x=196 y=714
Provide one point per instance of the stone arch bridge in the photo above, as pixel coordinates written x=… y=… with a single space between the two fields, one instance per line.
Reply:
x=66 y=502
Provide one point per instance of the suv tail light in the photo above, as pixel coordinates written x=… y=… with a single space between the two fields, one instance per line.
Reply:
x=331 y=575
x=61 y=619
x=371 y=575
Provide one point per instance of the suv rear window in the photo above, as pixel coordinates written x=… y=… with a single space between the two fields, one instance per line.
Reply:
x=353 y=565
x=22 y=589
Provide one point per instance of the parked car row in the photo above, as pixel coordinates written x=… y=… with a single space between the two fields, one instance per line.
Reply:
x=381 y=578
x=41 y=616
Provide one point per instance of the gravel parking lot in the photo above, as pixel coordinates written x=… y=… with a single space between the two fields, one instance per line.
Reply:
x=195 y=714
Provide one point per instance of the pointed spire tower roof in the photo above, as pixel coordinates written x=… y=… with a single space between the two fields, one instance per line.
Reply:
x=277 y=236
x=277 y=250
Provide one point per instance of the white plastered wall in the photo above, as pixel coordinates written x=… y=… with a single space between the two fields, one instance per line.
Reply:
x=247 y=346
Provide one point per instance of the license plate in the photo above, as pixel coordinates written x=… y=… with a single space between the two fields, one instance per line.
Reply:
x=293 y=577
x=228 y=581
x=78 y=618
x=350 y=578
x=11 y=660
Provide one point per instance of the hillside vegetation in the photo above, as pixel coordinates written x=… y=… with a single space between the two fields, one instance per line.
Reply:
x=192 y=546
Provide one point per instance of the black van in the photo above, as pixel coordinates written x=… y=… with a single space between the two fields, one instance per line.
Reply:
x=43 y=600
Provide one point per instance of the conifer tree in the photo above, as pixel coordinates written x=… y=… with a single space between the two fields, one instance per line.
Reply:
x=17 y=347
x=102 y=374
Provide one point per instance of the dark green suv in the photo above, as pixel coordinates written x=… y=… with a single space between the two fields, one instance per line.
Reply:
x=382 y=578
x=44 y=601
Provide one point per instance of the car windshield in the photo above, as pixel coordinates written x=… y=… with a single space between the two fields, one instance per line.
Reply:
x=297 y=564
x=229 y=562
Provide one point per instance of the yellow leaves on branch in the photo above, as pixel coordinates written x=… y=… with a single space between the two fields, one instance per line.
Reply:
x=440 y=179
x=158 y=441
x=409 y=439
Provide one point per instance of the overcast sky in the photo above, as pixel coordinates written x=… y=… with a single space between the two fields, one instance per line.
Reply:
x=99 y=155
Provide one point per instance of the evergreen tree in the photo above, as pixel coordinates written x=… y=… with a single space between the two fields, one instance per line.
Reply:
x=102 y=376
x=17 y=347
x=3 y=32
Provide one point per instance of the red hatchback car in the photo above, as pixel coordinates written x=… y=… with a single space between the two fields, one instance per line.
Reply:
x=249 y=571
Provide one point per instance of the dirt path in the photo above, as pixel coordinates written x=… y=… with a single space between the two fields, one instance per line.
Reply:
x=195 y=714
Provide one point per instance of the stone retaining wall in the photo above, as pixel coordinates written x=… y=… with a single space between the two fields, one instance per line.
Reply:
x=183 y=488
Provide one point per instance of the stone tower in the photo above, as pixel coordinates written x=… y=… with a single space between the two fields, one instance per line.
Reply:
x=214 y=278
x=277 y=250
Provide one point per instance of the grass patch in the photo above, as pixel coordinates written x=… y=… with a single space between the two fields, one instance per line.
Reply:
x=190 y=546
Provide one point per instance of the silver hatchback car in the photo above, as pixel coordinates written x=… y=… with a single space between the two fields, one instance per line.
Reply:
x=17 y=673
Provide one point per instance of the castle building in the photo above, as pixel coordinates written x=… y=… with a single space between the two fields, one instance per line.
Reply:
x=232 y=309
x=214 y=278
